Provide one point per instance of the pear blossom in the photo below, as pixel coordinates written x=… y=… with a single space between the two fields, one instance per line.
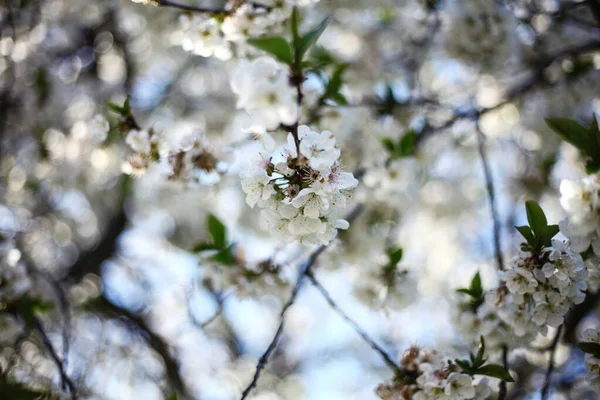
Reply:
x=592 y=362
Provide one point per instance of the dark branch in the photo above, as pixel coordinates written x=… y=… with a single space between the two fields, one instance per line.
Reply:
x=137 y=323
x=187 y=7
x=388 y=360
x=306 y=268
x=551 y=363
x=66 y=382
x=491 y=194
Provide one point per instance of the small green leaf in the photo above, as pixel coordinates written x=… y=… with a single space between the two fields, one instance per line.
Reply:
x=536 y=218
x=310 y=38
x=525 y=231
x=335 y=82
x=480 y=351
x=204 y=246
x=465 y=291
x=275 y=45
x=395 y=256
x=225 y=256
x=174 y=396
x=407 y=144
x=388 y=144
x=495 y=371
x=476 y=288
x=217 y=231
x=464 y=365
x=570 y=131
x=590 y=348
x=294 y=21
x=117 y=109
x=551 y=231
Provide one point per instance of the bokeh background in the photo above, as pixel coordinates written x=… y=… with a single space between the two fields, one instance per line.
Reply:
x=136 y=315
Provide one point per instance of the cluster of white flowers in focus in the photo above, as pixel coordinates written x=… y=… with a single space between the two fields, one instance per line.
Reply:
x=14 y=281
x=303 y=194
x=592 y=362
x=539 y=289
x=427 y=375
x=189 y=160
x=264 y=91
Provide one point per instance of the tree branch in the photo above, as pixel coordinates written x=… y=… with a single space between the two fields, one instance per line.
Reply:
x=551 y=363
x=388 y=360
x=264 y=359
x=108 y=308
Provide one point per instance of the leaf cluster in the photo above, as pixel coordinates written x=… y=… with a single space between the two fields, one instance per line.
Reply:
x=538 y=234
x=218 y=244
x=476 y=365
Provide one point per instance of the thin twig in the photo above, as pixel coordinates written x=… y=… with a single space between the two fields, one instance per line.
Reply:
x=187 y=7
x=66 y=382
x=386 y=357
x=551 y=363
x=491 y=194
x=305 y=270
x=502 y=392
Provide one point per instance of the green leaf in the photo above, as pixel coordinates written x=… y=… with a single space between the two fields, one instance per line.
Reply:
x=495 y=371
x=536 y=218
x=174 y=396
x=117 y=109
x=225 y=256
x=335 y=82
x=388 y=144
x=217 y=231
x=476 y=287
x=465 y=291
x=480 y=351
x=275 y=45
x=590 y=348
x=310 y=38
x=16 y=391
x=407 y=144
x=203 y=246
x=464 y=365
x=395 y=256
x=551 y=231
x=526 y=232
x=294 y=21
x=570 y=131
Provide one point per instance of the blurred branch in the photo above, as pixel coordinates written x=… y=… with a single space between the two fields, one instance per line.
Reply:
x=491 y=194
x=576 y=314
x=264 y=359
x=187 y=7
x=388 y=360
x=137 y=323
x=551 y=363
x=90 y=262
x=537 y=77
x=66 y=382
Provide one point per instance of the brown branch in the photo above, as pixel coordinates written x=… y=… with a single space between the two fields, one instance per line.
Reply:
x=551 y=363
x=137 y=323
x=386 y=357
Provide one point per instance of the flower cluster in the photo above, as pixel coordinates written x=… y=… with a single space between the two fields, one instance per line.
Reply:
x=264 y=91
x=427 y=375
x=581 y=201
x=539 y=289
x=190 y=160
x=473 y=321
x=303 y=191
